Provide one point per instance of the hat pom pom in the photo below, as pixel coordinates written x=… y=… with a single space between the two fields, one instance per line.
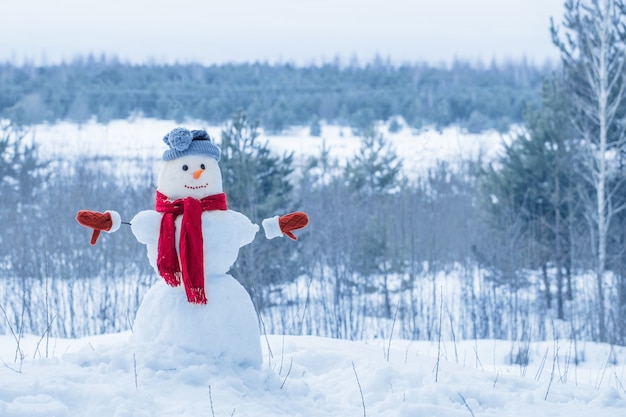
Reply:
x=200 y=135
x=179 y=138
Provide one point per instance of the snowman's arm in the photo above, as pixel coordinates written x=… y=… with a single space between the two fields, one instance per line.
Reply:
x=146 y=226
x=116 y=221
x=271 y=227
x=278 y=226
x=245 y=228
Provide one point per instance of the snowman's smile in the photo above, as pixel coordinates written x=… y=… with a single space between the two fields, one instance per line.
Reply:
x=196 y=187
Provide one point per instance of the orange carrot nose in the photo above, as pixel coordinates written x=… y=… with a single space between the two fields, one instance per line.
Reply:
x=197 y=174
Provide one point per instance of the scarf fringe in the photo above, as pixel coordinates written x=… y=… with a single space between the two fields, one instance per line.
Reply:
x=173 y=279
x=196 y=295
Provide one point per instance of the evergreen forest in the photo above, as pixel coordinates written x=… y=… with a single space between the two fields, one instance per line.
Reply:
x=529 y=246
x=472 y=95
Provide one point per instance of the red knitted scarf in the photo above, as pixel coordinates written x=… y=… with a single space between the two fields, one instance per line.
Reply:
x=190 y=270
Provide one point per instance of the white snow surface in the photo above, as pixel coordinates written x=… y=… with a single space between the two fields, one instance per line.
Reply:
x=142 y=138
x=108 y=375
x=184 y=371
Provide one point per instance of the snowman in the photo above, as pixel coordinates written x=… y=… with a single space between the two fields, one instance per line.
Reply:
x=192 y=240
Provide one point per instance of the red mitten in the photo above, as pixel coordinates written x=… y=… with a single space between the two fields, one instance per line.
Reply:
x=292 y=221
x=96 y=221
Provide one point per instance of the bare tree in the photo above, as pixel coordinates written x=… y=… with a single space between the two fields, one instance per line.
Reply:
x=593 y=55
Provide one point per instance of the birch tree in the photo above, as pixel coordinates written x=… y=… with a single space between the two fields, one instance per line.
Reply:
x=593 y=56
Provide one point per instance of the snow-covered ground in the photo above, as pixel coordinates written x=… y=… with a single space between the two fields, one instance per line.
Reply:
x=111 y=375
x=142 y=137
x=311 y=376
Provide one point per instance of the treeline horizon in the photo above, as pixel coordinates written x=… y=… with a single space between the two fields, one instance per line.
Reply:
x=470 y=94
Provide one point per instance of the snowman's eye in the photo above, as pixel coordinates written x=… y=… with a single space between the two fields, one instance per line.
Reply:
x=185 y=167
x=202 y=166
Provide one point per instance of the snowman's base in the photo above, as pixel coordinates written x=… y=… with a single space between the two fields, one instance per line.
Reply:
x=226 y=329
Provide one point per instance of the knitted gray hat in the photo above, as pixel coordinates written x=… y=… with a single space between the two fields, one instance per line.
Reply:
x=184 y=142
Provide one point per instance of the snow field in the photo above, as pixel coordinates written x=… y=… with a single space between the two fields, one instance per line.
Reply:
x=141 y=138
x=308 y=376
x=110 y=375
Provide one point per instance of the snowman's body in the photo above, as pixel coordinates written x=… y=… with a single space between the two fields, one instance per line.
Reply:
x=223 y=233
x=226 y=327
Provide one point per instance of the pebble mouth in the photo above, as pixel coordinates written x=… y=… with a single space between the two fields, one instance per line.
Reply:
x=191 y=187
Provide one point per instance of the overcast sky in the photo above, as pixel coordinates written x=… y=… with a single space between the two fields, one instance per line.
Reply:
x=303 y=32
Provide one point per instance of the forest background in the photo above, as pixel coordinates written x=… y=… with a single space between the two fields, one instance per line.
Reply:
x=531 y=246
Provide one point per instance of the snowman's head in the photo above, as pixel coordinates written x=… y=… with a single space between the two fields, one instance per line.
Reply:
x=190 y=168
x=194 y=176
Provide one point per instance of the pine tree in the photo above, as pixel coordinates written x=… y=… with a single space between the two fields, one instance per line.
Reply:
x=534 y=186
x=375 y=169
x=371 y=176
x=315 y=127
x=21 y=174
x=257 y=185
